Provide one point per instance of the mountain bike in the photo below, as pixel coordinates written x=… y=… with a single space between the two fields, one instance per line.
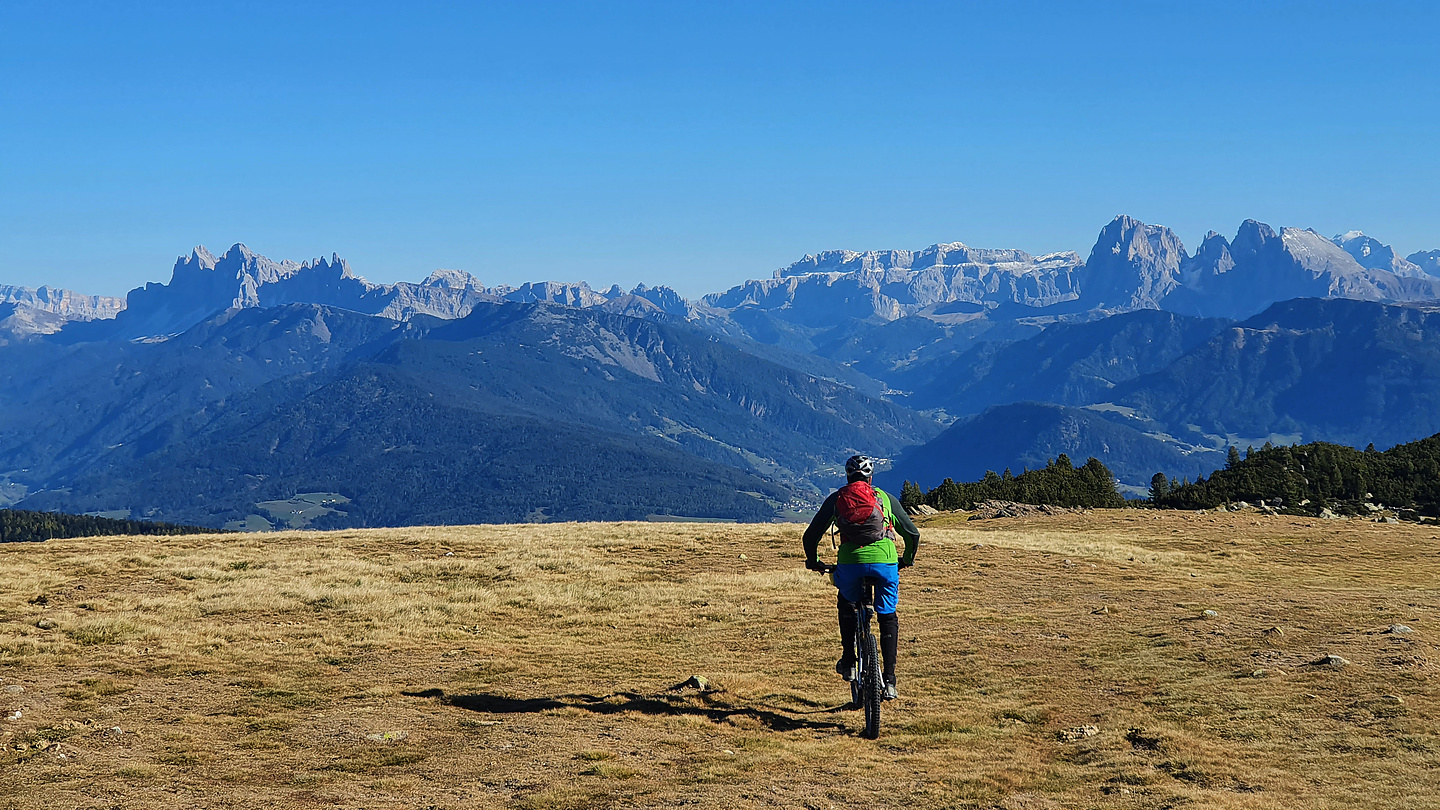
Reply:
x=867 y=687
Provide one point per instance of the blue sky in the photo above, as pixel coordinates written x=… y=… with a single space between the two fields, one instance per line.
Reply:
x=694 y=144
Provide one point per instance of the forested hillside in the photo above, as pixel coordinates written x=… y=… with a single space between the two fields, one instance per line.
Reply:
x=516 y=412
x=1315 y=476
x=1027 y=434
x=21 y=526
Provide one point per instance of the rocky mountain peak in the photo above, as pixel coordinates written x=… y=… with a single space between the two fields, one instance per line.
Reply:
x=1371 y=254
x=578 y=294
x=1253 y=238
x=1133 y=265
x=453 y=280
x=199 y=257
x=665 y=299
x=1427 y=260
x=1212 y=259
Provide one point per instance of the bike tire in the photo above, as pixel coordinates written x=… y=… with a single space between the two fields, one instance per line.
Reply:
x=872 y=686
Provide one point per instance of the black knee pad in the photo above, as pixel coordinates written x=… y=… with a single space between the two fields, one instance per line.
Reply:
x=889 y=623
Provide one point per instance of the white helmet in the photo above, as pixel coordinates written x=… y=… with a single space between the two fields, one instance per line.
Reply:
x=863 y=465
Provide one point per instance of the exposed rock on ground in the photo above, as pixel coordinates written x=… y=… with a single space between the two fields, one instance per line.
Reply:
x=1009 y=509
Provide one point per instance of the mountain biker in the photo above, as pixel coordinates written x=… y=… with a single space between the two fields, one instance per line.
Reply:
x=865 y=552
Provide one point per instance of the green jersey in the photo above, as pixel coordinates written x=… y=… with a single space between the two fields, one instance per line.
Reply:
x=880 y=551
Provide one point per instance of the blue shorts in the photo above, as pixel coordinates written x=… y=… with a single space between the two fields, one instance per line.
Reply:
x=887 y=593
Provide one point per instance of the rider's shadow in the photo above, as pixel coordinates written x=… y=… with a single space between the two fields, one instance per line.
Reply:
x=710 y=705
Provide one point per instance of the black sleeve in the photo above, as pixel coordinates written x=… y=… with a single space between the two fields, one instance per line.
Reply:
x=818 y=525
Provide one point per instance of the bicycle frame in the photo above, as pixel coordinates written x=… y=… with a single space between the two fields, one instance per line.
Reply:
x=867 y=686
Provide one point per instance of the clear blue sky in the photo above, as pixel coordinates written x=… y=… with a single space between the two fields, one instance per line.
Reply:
x=694 y=144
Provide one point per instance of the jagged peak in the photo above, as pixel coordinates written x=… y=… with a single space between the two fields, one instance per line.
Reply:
x=1129 y=236
x=1212 y=243
x=1252 y=234
x=1125 y=223
x=1125 y=228
x=332 y=264
x=452 y=279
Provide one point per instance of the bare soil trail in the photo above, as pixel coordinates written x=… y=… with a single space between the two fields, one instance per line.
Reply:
x=1125 y=659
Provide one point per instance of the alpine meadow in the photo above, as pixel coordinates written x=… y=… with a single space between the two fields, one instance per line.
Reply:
x=1115 y=658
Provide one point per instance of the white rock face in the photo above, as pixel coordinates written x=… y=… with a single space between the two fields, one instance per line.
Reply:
x=886 y=285
x=70 y=305
x=18 y=322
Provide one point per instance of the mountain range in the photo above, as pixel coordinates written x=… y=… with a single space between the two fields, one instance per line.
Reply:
x=245 y=381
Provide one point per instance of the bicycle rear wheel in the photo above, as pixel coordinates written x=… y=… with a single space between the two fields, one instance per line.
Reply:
x=872 y=686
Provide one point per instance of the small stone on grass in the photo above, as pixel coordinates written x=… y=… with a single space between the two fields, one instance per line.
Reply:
x=387 y=736
x=1077 y=733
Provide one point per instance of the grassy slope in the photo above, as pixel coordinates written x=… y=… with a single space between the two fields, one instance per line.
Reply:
x=531 y=669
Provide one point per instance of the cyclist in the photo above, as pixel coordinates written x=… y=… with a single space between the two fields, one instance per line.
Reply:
x=867 y=519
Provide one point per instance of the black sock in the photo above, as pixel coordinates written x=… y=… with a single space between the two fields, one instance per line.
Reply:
x=889 y=642
x=847 y=626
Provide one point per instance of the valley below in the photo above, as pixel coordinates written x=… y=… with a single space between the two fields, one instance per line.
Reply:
x=1113 y=658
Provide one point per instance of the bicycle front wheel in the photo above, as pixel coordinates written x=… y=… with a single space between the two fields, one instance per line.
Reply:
x=872 y=686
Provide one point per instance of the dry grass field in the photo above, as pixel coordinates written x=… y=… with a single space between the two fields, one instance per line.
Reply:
x=533 y=666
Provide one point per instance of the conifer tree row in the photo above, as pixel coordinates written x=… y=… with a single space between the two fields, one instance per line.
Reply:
x=1058 y=483
x=21 y=526
x=1324 y=474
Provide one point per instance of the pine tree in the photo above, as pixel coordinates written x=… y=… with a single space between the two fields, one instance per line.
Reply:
x=1160 y=487
x=1232 y=458
x=910 y=495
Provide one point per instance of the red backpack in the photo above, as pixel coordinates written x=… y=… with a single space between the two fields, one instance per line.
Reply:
x=859 y=515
